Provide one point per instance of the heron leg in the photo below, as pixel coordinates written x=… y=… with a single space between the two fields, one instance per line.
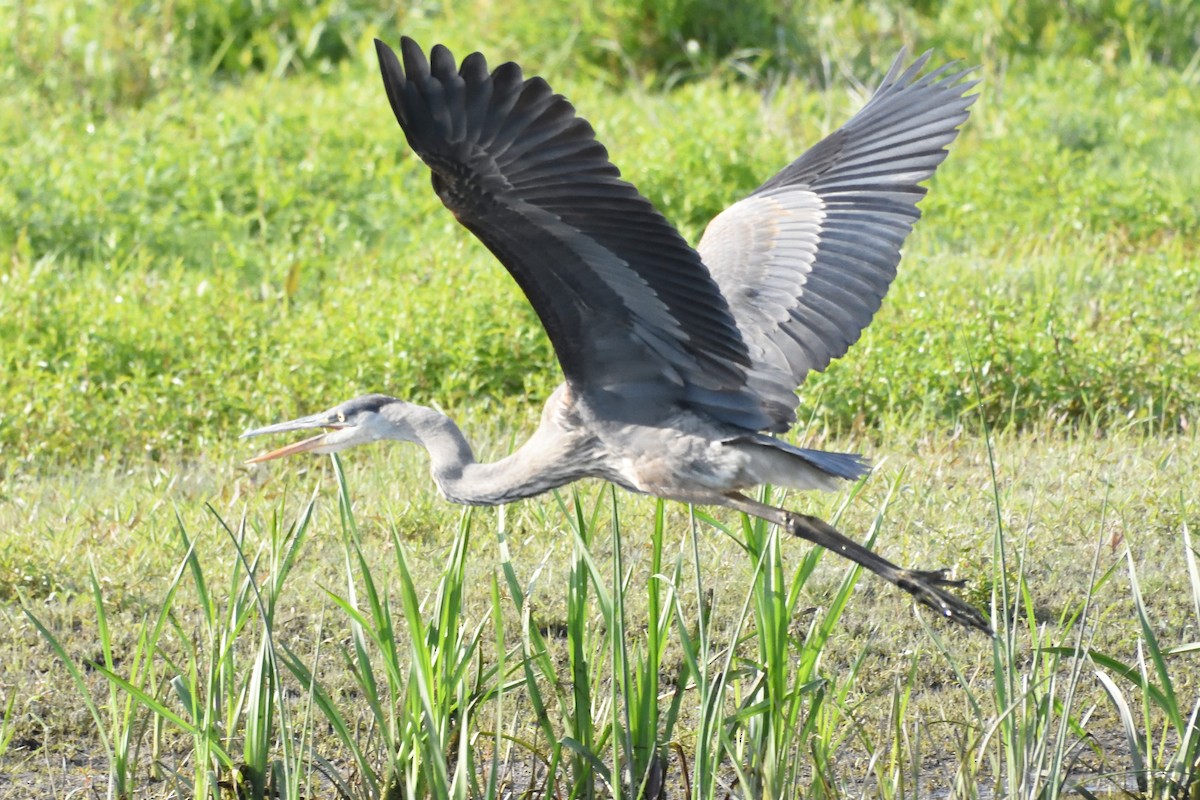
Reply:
x=925 y=585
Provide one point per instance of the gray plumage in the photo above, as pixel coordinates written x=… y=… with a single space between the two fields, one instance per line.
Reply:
x=678 y=363
x=805 y=260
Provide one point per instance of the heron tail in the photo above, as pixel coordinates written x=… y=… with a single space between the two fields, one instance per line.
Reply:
x=782 y=464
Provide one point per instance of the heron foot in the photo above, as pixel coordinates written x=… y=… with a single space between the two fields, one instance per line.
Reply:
x=925 y=586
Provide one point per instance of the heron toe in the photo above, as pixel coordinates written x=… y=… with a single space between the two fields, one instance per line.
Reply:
x=925 y=586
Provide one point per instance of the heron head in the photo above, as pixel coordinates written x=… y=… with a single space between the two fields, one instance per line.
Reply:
x=354 y=422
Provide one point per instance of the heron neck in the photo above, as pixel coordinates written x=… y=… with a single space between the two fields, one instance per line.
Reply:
x=463 y=479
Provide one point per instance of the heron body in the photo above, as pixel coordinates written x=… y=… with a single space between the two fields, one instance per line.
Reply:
x=679 y=364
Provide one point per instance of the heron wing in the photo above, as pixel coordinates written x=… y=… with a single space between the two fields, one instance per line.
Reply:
x=629 y=307
x=805 y=260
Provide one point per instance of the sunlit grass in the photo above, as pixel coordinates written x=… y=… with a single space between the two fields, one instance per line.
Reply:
x=869 y=702
x=210 y=261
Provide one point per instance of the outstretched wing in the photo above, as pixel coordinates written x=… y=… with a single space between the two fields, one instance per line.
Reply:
x=628 y=305
x=805 y=261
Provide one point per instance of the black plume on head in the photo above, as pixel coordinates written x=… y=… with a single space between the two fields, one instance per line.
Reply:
x=366 y=402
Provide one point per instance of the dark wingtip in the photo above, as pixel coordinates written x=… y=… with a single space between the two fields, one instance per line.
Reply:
x=386 y=56
x=393 y=78
x=441 y=61
x=416 y=66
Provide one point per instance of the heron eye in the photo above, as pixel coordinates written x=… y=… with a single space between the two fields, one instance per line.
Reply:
x=341 y=417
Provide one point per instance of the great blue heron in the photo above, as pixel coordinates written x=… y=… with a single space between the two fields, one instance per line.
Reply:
x=678 y=362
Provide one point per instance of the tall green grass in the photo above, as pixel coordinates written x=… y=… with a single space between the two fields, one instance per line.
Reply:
x=218 y=684
x=433 y=688
x=1164 y=739
x=8 y=722
x=1030 y=740
x=1034 y=738
x=410 y=690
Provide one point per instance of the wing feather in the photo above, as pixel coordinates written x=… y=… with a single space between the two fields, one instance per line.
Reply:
x=806 y=259
x=629 y=307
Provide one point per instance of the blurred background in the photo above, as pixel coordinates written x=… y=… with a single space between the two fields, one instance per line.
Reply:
x=108 y=55
x=208 y=219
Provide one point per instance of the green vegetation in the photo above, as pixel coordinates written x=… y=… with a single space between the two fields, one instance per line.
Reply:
x=211 y=258
x=209 y=220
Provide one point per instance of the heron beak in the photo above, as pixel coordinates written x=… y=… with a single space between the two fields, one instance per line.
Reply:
x=299 y=447
x=303 y=446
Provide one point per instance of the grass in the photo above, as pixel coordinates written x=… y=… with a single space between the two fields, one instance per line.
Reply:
x=872 y=656
x=215 y=260
x=210 y=222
